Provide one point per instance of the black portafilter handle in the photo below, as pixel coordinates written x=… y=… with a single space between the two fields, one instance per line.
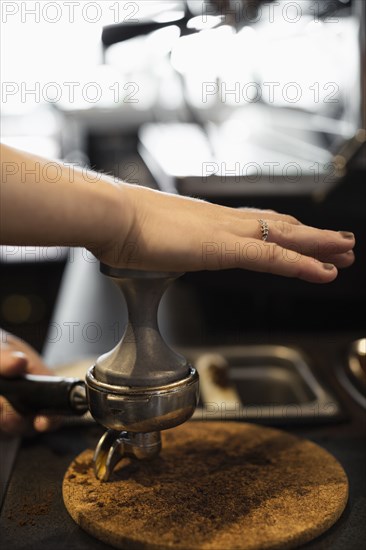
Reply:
x=32 y=394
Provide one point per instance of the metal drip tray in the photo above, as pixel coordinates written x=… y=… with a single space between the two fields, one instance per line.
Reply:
x=267 y=384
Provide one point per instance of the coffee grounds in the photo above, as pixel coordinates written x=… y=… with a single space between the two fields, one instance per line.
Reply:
x=215 y=485
x=30 y=511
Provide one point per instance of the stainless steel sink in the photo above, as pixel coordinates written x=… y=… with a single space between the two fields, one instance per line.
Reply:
x=267 y=384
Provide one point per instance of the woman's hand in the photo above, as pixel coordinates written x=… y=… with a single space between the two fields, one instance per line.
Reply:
x=16 y=359
x=129 y=226
x=166 y=232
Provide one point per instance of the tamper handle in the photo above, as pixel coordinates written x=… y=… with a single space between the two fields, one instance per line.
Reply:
x=142 y=358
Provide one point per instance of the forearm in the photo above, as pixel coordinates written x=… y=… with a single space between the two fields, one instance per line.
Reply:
x=51 y=203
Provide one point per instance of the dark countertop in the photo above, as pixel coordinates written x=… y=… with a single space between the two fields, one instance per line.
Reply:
x=34 y=517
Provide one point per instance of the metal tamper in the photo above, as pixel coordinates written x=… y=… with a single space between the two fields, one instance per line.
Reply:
x=136 y=390
x=141 y=386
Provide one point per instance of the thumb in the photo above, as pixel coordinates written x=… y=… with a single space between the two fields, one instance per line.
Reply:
x=12 y=363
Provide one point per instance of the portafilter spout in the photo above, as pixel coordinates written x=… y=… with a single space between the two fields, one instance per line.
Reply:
x=141 y=386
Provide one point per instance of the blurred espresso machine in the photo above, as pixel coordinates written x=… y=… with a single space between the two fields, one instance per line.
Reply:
x=264 y=98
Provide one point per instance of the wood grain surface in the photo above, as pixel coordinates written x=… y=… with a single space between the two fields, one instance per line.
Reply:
x=216 y=485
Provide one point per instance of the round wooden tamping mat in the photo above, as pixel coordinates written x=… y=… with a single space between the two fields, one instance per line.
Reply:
x=215 y=485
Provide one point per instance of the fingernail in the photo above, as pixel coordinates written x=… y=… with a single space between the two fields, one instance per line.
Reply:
x=350 y=253
x=328 y=267
x=346 y=234
x=18 y=354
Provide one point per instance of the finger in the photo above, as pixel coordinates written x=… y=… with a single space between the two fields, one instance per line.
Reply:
x=321 y=244
x=260 y=256
x=46 y=423
x=38 y=368
x=341 y=261
x=13 y=363
x=284 y=262
x=35 y=362
x=11 y=422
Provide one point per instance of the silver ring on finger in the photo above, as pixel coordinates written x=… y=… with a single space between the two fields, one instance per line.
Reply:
x=264 y=229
